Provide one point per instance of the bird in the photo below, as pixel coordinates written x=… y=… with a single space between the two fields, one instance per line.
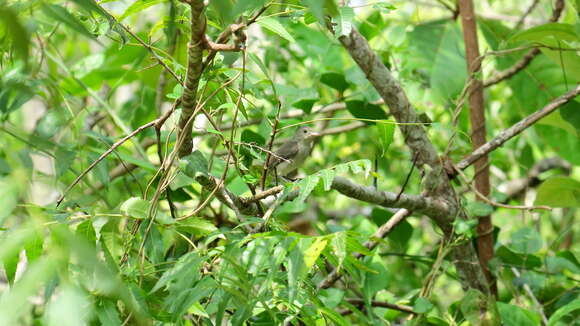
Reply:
x=292 y=154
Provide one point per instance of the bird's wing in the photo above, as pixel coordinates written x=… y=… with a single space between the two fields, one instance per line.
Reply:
x=287 y=151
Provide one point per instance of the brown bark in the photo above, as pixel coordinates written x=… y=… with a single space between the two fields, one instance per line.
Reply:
x=477 y=118
x=194 y=70
x=436 y=182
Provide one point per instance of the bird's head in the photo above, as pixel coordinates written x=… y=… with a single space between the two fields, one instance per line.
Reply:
x=306 y=133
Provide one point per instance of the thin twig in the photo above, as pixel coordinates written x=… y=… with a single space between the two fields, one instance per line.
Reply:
x=382 y=304
x=382 y=232
x=528 y=11
x=530 y=293
x=493 y=203
x=270 y=144
x=110 y=150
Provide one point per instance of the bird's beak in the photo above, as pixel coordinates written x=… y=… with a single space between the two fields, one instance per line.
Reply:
x=315 y=134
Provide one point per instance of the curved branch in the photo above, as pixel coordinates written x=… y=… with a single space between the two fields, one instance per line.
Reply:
x=528 y=57
x=421 y=204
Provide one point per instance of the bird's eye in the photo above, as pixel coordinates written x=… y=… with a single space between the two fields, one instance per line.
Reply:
x=305 y=131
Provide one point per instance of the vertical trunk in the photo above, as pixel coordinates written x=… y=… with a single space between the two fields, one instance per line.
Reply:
x=194 y=70
x=477 y=118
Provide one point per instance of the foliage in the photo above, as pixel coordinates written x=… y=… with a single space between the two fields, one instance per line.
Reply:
x=140 y=241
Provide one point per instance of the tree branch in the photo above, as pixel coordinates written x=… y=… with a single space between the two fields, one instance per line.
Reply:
x=515 y=188
x=394 y=97
x=381 y=233
x=194 y=70
x=528 y=57
x=516 y=129
x=382 y=304
x=436 y=182
x=478 y=131
x=421 y=204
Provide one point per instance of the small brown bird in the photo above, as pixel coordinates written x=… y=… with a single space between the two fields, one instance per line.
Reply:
x=293 y=152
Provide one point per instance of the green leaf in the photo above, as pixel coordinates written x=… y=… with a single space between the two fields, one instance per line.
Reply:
x=508 y=256
x=465 y=227
x=559 y=191
x=306 y=186
x=570 y=112
x=439 y=54
x=557 y=265
x=15 y=31
x=563 y=311
x=249 y=136
x=359 y=166
x=331 y=297
x=194 y=163
x=556 y=35
x=515 y=316
x=556 y=31
x=31 y=282
x=319 y=8
x=386 y=132
x=139 y=6
x=338 y=244
x=33 y=247
x=64 y=159
x=327 y=176
x=344 y=21
x=10 y=264
x=365 y=110
x=477 y=208
x=197 y=226
x=471 y=306
x=384 y=7
x=136 y=207
x=86 y=231
x=274 y=26
x=335 y=317
x=62 y=15
x=108 y=314
x=185 y=271
x=295 y=270
x=305 y=104
x=526 y=241
x=377 y=278
x=335 y=80
x=422 y=305
x=9 y=193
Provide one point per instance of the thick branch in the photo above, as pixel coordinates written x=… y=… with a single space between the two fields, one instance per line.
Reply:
x=194 y=70
x=516 y=129
x=421 y=204
x=436 y=182
x=393 y=95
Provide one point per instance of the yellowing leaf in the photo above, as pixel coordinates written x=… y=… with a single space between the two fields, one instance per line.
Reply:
x=315 y=249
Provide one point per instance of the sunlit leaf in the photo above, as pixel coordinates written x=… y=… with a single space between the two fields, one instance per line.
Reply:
x=136 y=207
x=62 y=15
x=274 y=26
